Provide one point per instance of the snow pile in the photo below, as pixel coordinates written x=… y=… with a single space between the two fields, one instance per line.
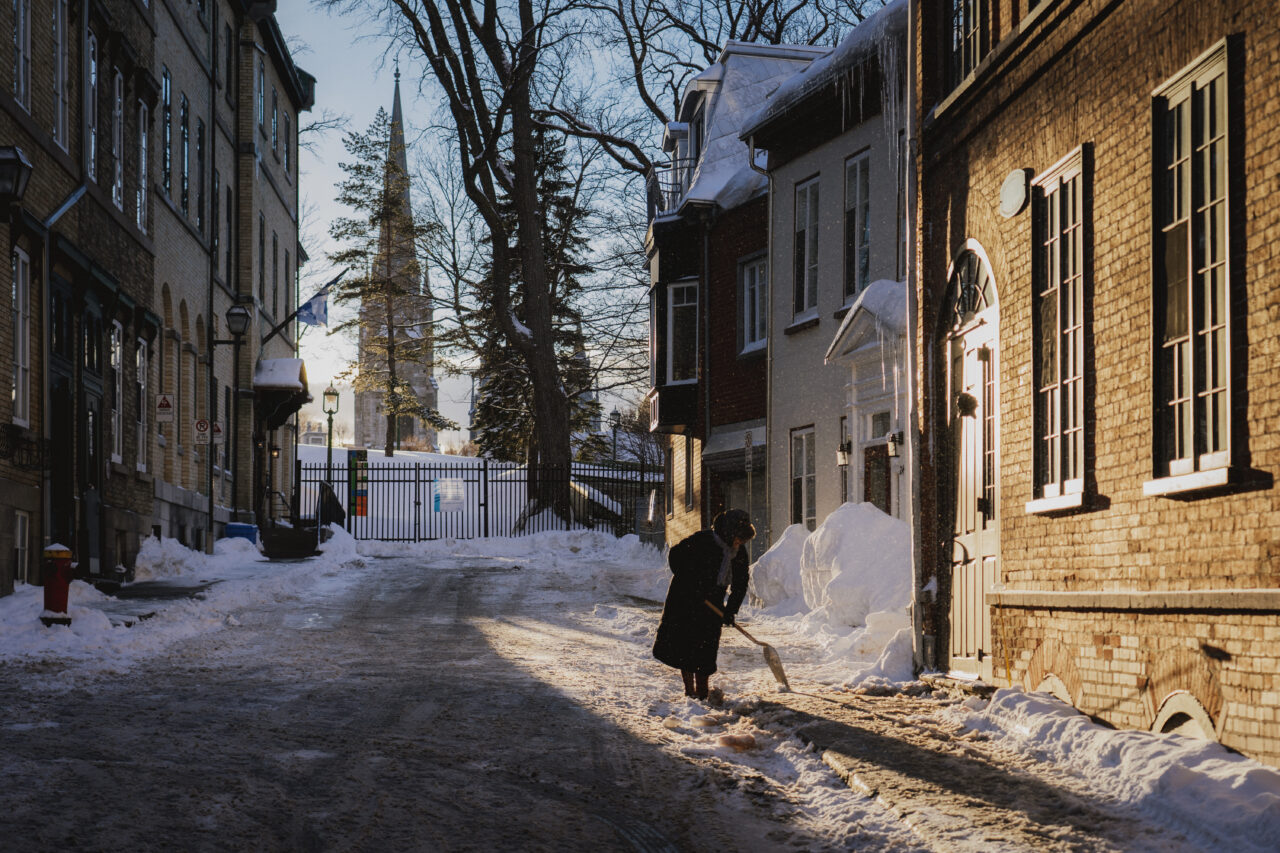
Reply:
x=856 y=563
x=775 y=577
x=1215 y=797
x=108 y=635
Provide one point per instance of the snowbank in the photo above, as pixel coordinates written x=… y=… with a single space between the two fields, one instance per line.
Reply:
x=856 y=563
x=109 y=635
x=1215 y=797
x=775 y=577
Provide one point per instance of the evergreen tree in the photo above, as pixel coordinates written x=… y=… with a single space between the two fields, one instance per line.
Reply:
x=503 y=425
x=380 y=245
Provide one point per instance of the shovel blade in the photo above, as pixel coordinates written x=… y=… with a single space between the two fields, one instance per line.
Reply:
x=775 y=666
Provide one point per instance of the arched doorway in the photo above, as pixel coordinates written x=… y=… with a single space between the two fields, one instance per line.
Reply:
x=971 y=353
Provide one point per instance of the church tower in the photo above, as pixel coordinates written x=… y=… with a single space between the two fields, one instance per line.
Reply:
x=409 y=339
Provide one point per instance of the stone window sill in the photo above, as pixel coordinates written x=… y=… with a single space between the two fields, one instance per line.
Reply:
x=1185 y=484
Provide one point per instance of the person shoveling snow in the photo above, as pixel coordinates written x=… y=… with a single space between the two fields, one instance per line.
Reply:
x=704 y=567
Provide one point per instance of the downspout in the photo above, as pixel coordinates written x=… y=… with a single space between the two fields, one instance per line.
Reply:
x=706 y=364
x=46 y=421
x=768 y=343
x=924 y=653
x=211 y=390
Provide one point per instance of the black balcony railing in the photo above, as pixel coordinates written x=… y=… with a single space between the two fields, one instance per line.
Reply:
x=668 y=184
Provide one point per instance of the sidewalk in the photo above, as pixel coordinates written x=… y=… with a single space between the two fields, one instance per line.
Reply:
x=951 y=787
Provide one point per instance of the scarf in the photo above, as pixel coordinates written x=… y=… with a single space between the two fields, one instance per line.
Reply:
x=726 y=562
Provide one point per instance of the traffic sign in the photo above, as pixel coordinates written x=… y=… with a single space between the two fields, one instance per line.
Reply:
x=164 y=409
x=219 y=437
x=201 y=427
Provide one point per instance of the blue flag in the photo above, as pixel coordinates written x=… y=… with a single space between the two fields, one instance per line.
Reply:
x=315 y=311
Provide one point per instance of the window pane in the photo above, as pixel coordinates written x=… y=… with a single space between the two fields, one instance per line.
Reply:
x=1174 y=298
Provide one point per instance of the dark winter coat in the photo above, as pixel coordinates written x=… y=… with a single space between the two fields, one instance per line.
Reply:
x=689 y=633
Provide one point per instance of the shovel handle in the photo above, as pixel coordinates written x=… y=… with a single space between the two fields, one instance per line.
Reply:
x=717 y=611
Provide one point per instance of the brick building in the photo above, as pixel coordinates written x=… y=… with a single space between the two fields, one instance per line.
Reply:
x=78 y=88
x=158 y=162
x=1097 y=350
x=226 y=214
x=708 y=253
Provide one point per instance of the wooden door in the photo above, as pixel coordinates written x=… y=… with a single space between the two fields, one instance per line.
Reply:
x=976 y=537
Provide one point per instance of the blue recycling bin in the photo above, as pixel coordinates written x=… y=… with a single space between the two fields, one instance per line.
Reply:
x=240 y=530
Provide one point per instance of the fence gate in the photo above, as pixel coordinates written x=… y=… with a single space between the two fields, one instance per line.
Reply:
x=477 y=498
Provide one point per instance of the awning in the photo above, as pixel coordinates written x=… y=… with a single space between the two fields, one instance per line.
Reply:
x=280 y=389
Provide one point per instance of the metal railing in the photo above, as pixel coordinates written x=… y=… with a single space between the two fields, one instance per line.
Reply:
x=668 y=184
x=479 y=498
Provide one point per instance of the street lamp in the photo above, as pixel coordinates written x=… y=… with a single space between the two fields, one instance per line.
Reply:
x=15 y=171
x=615 y=418
x=330 y=407
x=238 y=319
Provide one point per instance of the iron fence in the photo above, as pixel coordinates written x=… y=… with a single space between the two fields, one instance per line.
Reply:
x=479 y=498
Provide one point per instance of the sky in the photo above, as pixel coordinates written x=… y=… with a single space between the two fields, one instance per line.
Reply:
x=354 y=79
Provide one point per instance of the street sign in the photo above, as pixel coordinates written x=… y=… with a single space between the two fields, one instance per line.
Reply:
x=219 y=437
x=747 y=450
x=201 y=428
x=164 y=409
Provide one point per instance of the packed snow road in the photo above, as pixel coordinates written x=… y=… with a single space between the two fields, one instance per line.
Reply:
x=426 y=707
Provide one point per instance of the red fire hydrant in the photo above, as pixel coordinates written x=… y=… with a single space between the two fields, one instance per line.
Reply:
x=56 y=571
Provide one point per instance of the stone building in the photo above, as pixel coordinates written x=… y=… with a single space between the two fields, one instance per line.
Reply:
x=410 y=332
x=77 y=98
x=1097 y=351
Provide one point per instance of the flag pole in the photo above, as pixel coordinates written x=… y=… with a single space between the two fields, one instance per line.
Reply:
x=287 y=320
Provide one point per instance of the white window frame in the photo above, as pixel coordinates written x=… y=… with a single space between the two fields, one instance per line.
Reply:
x=753 y=299
x=857 y=225
x=117 y=139
x=61 y=79
x=22 y=545
x=687 y=292
x=805 y=248
x=91 y=108
x=166 y=136
x=22 y=53
x=20 y=303
x=142 y=382
x=144 y=164
x=1059 y=284
x=690 y=486
x=1191 y=111
x=804 y=471
x=184 y=141
x=116 y=361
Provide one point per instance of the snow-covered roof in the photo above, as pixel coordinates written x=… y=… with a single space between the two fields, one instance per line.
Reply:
x=732 y=89
x=882 y=306
x=874 y=36
x=280 y=374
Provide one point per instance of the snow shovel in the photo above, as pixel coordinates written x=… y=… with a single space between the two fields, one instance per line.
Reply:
x=770 y=653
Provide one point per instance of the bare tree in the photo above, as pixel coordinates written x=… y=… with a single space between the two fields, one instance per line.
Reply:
x=483 y=56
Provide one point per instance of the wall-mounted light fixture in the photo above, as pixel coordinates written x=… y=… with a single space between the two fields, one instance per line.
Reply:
x=842 y=452
x=894 y=445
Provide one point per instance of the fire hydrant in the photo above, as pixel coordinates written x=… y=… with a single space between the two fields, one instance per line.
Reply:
x=56 y=571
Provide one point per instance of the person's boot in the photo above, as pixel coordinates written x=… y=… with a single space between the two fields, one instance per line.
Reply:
x=689 y=686
x=701 y=687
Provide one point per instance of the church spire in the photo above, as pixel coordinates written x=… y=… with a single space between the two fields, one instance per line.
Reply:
x=396 y=155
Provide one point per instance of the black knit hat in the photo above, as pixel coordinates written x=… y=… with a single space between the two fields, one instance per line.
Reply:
x=733 y=524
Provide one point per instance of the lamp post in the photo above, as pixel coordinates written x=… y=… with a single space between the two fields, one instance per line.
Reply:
x=330 y=407
x=15 y=171
x=237 y=318
x=615 y=418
